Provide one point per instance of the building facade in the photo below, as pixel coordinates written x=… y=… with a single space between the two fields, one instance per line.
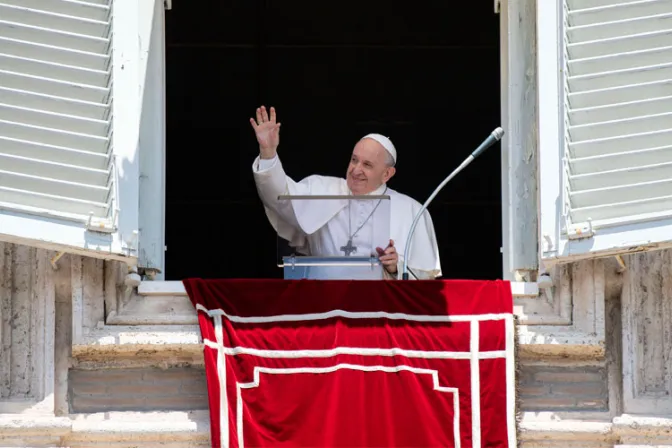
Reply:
x=97 y=349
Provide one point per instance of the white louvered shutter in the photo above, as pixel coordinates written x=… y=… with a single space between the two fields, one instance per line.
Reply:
x=608 y=189
x=58 y=185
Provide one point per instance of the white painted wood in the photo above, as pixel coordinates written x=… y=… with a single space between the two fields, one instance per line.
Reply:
x=519 y=143
x=52 y=96
x=64 y=164
x=126 y=107
x=153 y=141
x=613 y=163
x=549 y=75
x=507 y=234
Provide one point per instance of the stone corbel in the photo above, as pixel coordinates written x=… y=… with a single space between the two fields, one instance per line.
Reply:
x=568 y=318
x=111 y=318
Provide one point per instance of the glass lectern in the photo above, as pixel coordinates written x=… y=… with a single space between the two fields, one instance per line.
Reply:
x=333 y=237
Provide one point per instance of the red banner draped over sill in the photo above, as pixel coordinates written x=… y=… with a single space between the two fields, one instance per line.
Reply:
x=358 y=363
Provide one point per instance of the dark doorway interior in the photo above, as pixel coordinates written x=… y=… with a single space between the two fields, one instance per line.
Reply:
x=425 y=73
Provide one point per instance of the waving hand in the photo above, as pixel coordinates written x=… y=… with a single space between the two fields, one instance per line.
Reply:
x=267 y=132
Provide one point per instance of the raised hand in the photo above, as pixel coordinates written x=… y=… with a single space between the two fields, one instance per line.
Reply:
x=267 y=131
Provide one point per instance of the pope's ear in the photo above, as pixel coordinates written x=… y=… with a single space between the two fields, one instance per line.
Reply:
x=390 y=172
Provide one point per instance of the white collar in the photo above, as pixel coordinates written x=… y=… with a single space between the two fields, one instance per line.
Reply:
x=377 y=192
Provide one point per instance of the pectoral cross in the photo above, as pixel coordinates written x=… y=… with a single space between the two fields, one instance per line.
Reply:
x=349 y=248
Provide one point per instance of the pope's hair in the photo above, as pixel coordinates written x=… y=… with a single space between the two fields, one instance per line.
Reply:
x=389 y=160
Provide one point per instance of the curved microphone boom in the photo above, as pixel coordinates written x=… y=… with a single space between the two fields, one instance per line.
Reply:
x=493 y=138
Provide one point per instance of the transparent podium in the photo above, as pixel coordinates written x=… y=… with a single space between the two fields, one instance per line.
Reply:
x=334 y=237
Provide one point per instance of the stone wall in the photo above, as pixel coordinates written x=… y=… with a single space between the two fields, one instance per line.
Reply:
x=139 y=389
x=552 y=387
x=88 y=361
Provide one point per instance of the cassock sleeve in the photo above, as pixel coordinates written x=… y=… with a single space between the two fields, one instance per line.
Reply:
x=294 y=220
x=271 y=182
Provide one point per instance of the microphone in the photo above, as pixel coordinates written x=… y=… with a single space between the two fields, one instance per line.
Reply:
x=493 y=138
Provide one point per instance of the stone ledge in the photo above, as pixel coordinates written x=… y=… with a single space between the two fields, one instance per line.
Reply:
x=566 y=430
x=110 y=429
x=192 y=429
x=624 y=431
x=541 y=341
x=173 y=287
x=167 y=339
x=637 y=430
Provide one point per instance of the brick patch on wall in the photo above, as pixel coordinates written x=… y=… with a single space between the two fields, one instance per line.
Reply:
x=145 y=389
x=563 y=388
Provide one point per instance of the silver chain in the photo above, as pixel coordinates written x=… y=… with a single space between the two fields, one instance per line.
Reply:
x=352 y=235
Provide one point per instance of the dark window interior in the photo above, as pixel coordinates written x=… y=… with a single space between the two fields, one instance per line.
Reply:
x=426 y=73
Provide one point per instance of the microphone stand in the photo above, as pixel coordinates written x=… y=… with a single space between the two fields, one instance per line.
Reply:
x=494 y=137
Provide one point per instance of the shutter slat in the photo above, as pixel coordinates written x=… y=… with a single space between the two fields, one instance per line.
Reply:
x=621 y=128
x=619 y=78
x=622 y=160
x=97 y=78
x=52 y=202
x=621 y=143
x=620 y=61
x=620 y=111
x=626 y=208
x=44 y=185
x=621 y=193
x=584 y=35
x=55 y=54
x=45 y=119
x=59 y=171
x=44 y=36
x=72 y=8
x=623 y=94
x=615 y=178
x=52 y=153
x=59 y=137
x=619 y=108
x=623 y=44
x=53 y=87
x=583 y=4
x=620 y=11
x=53 y=21
x=55 y=104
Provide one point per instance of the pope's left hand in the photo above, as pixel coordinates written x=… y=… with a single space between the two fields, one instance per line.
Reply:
x=388 y=257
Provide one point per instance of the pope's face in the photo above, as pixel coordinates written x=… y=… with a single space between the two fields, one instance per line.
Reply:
x=368 y=167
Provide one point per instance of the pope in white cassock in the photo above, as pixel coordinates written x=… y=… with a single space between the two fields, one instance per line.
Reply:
x=327 y=230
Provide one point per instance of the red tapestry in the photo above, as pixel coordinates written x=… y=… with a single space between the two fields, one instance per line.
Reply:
x=358 y=363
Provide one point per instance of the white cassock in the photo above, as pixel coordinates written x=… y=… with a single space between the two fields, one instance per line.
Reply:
x=323 y=230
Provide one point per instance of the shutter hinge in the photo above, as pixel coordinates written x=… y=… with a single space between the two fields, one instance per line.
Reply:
x=498 y=4
x=168 y=4
x=103 y=225
x=580 y=230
